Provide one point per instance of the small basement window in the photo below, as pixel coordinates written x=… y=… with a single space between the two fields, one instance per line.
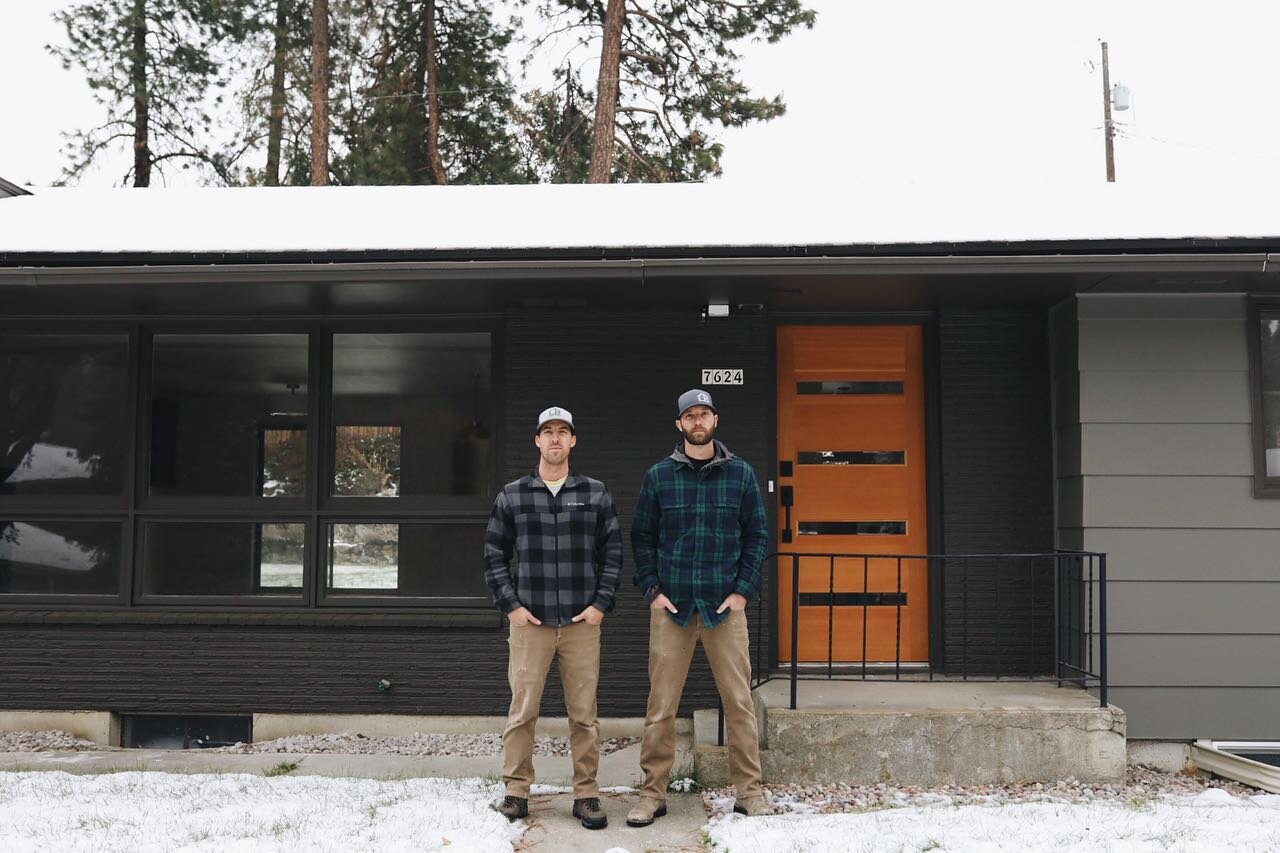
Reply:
x=183 y=731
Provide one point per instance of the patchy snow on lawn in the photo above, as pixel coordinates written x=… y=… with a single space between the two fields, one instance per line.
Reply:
x=147 y=812
x=1213 y=820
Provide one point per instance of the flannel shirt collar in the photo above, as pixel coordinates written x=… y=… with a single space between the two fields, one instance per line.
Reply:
x=572 y=481
x=722 y=457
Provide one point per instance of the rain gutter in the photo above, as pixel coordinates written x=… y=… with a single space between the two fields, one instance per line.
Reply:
x=228 y=270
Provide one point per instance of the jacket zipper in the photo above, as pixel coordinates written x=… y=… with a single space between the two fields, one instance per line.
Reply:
x=555 y=499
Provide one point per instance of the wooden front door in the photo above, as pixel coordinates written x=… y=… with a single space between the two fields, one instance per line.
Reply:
x=851 y=454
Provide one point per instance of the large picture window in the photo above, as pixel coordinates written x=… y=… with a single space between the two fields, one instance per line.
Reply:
x=229 y=415
x=60 y=557
x=411 y=414
x=213 y=559
x=261 y=464
x=64 y=414
x=437 y=560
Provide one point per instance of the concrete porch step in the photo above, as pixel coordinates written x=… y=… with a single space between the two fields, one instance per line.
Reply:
x=925 y=733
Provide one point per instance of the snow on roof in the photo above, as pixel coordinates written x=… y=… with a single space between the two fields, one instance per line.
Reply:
x=576 y=217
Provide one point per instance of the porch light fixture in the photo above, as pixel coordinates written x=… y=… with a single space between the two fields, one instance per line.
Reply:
x=717 y=310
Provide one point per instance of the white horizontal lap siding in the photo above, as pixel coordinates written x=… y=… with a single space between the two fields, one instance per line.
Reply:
x=1157 y=473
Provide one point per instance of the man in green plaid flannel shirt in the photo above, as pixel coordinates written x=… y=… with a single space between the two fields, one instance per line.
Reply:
x=699 y=537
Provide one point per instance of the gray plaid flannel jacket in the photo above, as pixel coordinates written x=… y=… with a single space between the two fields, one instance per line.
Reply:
x=554 y=554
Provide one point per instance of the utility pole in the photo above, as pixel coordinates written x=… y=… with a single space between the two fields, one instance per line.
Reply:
x=1108 y=129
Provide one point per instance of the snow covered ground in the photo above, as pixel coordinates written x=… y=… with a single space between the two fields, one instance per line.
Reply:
x=147 y=812
x=1212 y=820
x=162 y=812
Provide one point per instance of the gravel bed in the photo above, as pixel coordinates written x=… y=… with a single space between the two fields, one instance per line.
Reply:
x=44 y=742
x=418 y=744
x=1141 y=785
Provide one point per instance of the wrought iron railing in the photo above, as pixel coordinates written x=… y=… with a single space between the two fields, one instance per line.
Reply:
x=1037 y=617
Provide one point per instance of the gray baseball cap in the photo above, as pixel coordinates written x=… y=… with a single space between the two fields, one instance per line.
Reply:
x=555 y=413
x=694 y=397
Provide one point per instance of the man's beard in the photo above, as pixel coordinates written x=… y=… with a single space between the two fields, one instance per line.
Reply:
x=699 y=442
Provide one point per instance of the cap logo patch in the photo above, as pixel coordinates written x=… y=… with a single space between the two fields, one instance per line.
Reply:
x=704 y=398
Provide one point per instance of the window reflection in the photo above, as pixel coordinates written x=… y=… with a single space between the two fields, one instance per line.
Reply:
x=436 y=560
x=367 y=461
x=59 y=557
x=412 y=414
x=223 y=558
x=228 y=415
x=63 y=414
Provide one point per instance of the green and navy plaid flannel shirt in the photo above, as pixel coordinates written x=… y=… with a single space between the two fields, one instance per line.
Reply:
x=700 y=534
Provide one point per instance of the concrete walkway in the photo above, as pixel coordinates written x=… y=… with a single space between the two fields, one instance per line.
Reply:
x=551 y=826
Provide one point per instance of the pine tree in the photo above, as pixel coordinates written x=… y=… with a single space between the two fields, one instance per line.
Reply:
x=431 y=100
x=319 y=93
x=273 y=70
x=668 y=75
x=555 y=130
x=154 y=65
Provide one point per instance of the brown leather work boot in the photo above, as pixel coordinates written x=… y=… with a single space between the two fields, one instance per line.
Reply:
x=645 y=810
x=753 y=807
x=513 y=808
x=588 y=809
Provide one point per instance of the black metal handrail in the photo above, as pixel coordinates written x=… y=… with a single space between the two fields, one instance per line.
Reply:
x=1076 y=580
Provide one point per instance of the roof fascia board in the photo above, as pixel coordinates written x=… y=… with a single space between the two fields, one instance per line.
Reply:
x=266 y=273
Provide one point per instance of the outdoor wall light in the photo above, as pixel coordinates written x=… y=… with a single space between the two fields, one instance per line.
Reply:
x=383 y=685
x=716 y=309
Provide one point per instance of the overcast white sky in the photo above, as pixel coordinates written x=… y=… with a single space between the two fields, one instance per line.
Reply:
x=929 y=92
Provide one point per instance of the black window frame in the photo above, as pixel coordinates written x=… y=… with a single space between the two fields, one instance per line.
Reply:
x=134 y=507
x=1263 y=486
x=116 y=508
x=329 y=599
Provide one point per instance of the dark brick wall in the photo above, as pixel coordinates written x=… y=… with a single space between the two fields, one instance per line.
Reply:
x=997 y=488
x=243 y=669
x=620 y=375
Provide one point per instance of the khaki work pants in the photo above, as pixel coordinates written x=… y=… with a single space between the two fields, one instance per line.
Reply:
x=670 y=653
x=577 y=647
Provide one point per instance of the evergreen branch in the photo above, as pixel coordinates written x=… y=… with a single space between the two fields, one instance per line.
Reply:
x=647 y=58
x=628 y=146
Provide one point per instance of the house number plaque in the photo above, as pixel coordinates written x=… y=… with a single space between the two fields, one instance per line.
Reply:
x=722 y=376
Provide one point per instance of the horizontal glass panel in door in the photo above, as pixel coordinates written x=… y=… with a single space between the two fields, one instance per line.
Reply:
x=232 y=558
x=411 y=414
x=229 y=415
x=851 y=457
x=60 y=557
x=849 y=387
x=64 y=414
x=439 y=560
x=852 y=528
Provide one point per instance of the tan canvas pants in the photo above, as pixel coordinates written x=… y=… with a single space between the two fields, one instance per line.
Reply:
x=577 y=647
x=670 y=652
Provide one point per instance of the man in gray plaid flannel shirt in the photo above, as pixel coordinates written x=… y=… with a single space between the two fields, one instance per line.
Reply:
x=553 y=554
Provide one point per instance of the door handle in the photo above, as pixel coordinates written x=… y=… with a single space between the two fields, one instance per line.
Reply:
x=787 y=497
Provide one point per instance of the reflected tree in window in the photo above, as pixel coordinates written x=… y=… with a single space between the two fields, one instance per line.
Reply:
x=59 y=557
x=367 y=461
x=63 y=414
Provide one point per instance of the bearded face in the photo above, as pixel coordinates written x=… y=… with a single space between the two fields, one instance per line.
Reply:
x=698 y=425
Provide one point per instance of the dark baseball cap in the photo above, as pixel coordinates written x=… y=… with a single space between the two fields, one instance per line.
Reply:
x=694 y=397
